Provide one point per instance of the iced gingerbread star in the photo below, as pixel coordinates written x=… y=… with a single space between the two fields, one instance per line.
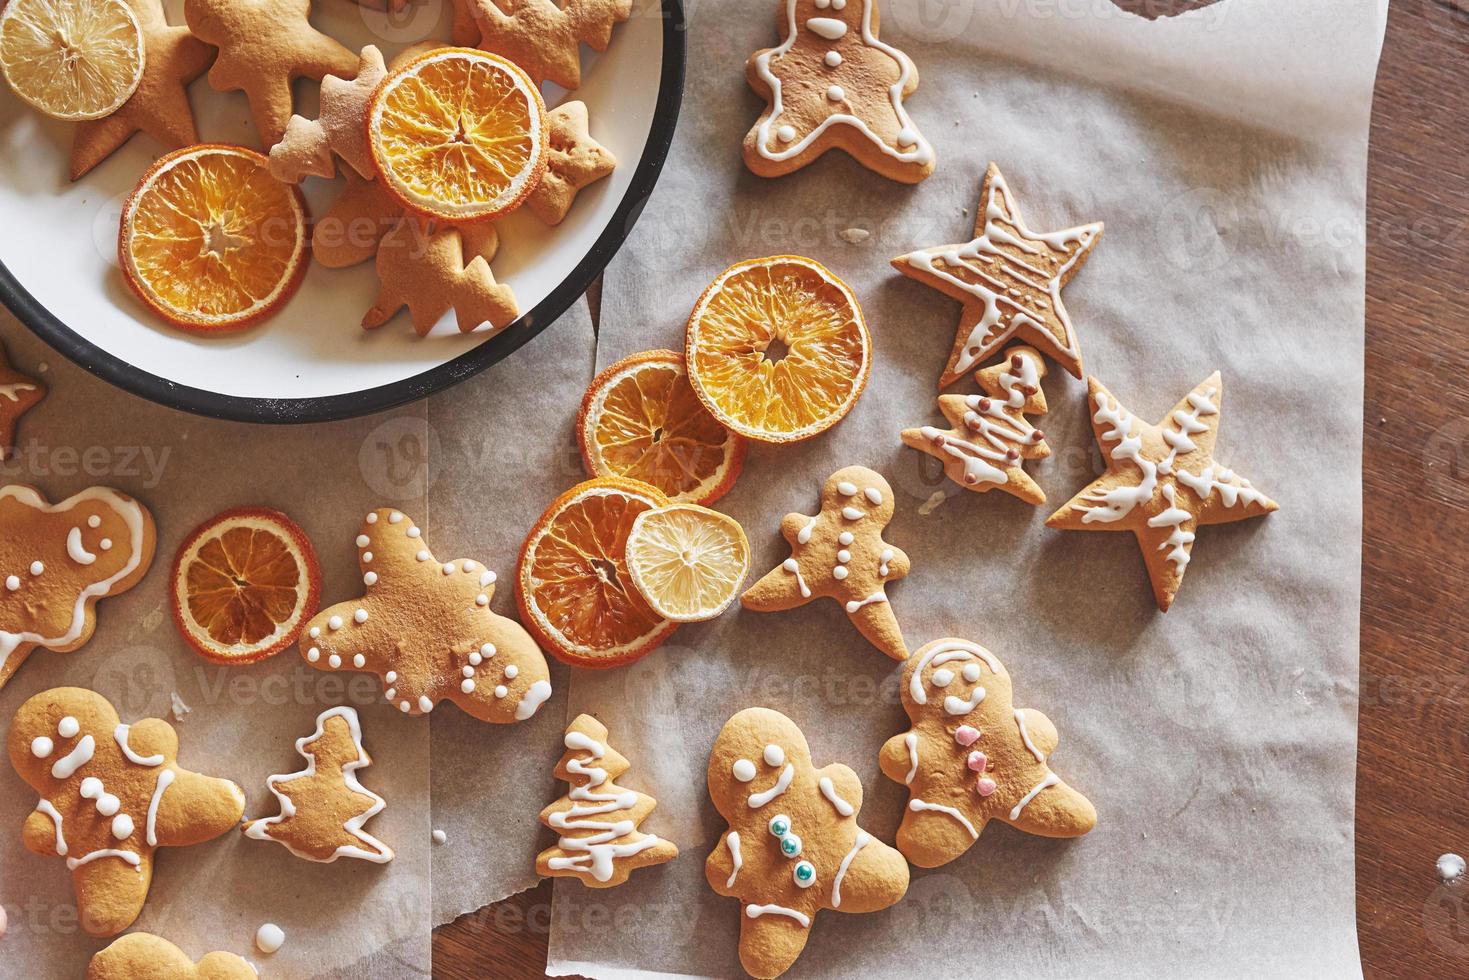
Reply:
x=1162 y=482
x=972 y=757
x=1009 y=279
x=840 y=553
x=793 y=846
x=989 y=437
x=426 y=629
x=832 y=83
x=111 y=795
x=19 y=393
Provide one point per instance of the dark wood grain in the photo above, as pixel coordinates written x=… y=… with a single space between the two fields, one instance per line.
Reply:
x=1413 y=742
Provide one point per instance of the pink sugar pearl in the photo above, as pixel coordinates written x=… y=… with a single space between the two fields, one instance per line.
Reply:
x=966 y=736
x=985 y=786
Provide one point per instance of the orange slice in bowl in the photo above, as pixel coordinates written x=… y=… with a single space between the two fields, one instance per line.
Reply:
x=687 y=561
x=458 y=134
x=777 y=349
x=244 y=583
x=641 y=419
x=210 y=241
x=576 y=596
x=71 y=59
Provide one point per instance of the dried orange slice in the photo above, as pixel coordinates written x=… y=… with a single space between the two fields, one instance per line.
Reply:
x=641 y=419
x=687 y=561
x=72 y=59
x=576 y=596
x=458 y=134
x=210 y=241
x=244 y=583
x=777 y=349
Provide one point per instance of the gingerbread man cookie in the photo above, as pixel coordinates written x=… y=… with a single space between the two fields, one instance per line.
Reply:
x=323 y=807
x=56 y=561
x=19 y=394
x=832 y=83
x=144 y=955
x=598 y=820
x=1009 y=279
x=989 y=437
x=111 y=795
x=426 y=629
x=1162 y=482
x=793 y=846
x=308 y=147
x=263 y=46
x=840 y=553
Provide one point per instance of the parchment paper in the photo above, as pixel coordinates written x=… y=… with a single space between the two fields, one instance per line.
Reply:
x=1226 y=152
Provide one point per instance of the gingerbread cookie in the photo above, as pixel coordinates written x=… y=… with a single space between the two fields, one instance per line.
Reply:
x=425 y=271
x=840 y=553
x=989 y=437
x=140 y=955
x=793 y=846
x=111 y=795
x=426 y=629
x=573 y=161
x=1162 y=482
x=308 y=146
x=1009 y=279
x=19 y=393
x=56 y=561
x=172 y=58
x=972 y=756
x=544 y=37
x=323 y=807
x=832 y=83
x=600 y=844
x=263 y=46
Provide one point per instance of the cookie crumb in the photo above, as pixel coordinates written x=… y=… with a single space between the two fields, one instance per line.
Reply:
x=1450 y=867
x=933 y=502
x=440 y=837
x=269 y=937
x=4 y=921
x=177 y=706
x=856 y=236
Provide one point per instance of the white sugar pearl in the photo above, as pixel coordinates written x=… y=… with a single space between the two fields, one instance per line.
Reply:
x=391 y=677
x=370 y=578
x=105 y=544
x=474 y=658
x=448 y=568
x=367 y=557
x=269 y=937
x=313 y=655
x=845 y=538
x=785 y=133
x=334 y=661
x=501 y=691
x=94 y=521
x=395 y=518
x=414 y=532
x=839 y=573
x=467 y=671
x=844 y=555
x=390 y=693
x=422 y=556
x=363 y=541
x=744 y=770
x=360 y=615
x=404 y=706
x=488 y=650
x=372 y=518
x=486 y=578
x=359 y=661
x=37 y=568
x=467 y=686
x=68 y=727
x=836 y=93
x=122 y=826
x=424 y=704
x=512 y=672
x=42 y=747
x=873 y=494
x=481 y=600
x=833 y=59
x=334 y=623
x=314 y=632
x=107 y=804
x=774 y=755
x=12 y=582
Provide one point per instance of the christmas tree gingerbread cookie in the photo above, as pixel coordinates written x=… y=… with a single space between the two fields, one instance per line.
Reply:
x=972 y=757
x=600 y=843
x=832 y=83
x=142 y=954
x=793 y=846
x=111 y=795
x=1009 y=279
x=426 y=629
x=57 y=560
x=1162 y=482
x=310 y=147
x=989 y=437
x=19 y=394
x=840 y=553
x=324 y=806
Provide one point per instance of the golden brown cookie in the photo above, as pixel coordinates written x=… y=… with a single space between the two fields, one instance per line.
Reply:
x=424 y=270
x=793 y=846
x=544 y=37
x=19 y=393
x=308 y=146
x=111 y=795
x=56 y=561
x=574 y=160
x=426 y=629
x=1009 y=279
x=143 y=956
x=989 y=437
x=263 y=46
x=173 y=57
x=1162 y=482
x=972 y=757
x=840 y=553
x=598 y=820
x=833 y=84
x=324 y=806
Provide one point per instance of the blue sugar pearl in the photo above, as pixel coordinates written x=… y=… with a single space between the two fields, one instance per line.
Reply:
x=780 y=825
x=805 y=874
x=790 y=845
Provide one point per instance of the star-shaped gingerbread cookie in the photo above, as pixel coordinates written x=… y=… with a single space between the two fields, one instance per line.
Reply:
x=1009 y=279
x=971 y=756
x=263 y=46
x=840 y=553
x=1162 y=482
x=19 y=393
x=172 y=58
x=426 y=629
x=574 y=161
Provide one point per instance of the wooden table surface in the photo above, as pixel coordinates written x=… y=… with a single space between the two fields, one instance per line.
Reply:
x=1413 y=742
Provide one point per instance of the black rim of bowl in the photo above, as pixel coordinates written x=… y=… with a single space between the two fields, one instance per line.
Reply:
x=325 y=408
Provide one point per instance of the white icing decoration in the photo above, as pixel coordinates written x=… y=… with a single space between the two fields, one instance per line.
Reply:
x=962 y=706
x=395 y=518
x=829 y=791
x=911 y=741
x=46 y=807
x=534 y=698
x=126 y=856
x=832 y=59
x=846 y=538
x=917 y=806
x=755 y=911
x=732 y=841
x=41 y=747
x=1025 y=736
x=313 y=654
x=943 y=653
x=467 y=685
x=122 y=826
x=501 y=690
x=854 y=604
x=424 y=704
x=873 y=495
x=334 y=661
x=827 y=27
x=75 y=759
x=12 y=392
x=847 y=489
x=743 y=770
x=359 y=661
x=335 y=623
x=883 y=559
x=836 y=883
x=164 y=781
x=372 y=518
x=1051 y=780
x=74 y=549
x=791 y=566
x=360 y=616
x=852 y=513
x=757 y=800
x=12 y=582
x=785 y=133
x=37 y=568
x=269 y=938
x=599 y=849
x=363 y=541
x=413 y=532
x=1175 y=517
x=774 y=755
x=68 y=727
x=971 y=672
x=804 y=535
x=120 y=733
x=942 y=677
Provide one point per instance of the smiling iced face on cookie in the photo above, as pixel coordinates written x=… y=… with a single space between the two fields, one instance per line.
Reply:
x=57 y=561
x=972 y=757
x=833 y=83
x=793 y=846
x=426 y=629
x=111 y=794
